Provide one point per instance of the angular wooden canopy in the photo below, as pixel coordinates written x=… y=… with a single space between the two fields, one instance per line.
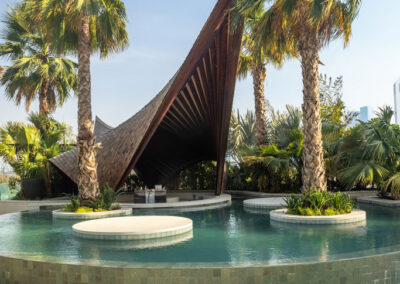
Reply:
x=187 y=122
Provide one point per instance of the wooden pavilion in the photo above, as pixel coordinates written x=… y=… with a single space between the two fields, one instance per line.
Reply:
x=186 y=123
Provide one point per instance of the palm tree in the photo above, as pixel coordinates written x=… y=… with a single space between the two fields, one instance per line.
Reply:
x=312 y=24
x=35 y=71
x=85 y=27
x=253 y=59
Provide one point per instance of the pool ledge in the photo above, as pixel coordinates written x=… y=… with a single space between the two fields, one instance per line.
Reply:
x=353 y=217
x=371 y=269
x=375 y=200
x=224 y=198
x=268 y=203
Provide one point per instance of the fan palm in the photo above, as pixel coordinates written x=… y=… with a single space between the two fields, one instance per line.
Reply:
x=253 y=59
x=35 y=71
x=242 y=134
x=312 y=24
x=370 y=153
x=85 y=27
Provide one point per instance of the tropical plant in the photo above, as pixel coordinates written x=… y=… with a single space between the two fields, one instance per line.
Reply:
x=35 y=71
x=277 y=169
x=105 y=202
x=253 y=59
x=27 y=148
x=200 y=176
x=369 y=155
x=312 y=24
x=283 y=126
x=317 y=203
x=242 y=134
x=84 y=27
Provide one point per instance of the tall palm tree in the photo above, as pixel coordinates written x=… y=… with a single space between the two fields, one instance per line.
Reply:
x=253 y=59
x=85 y=27
x=35 y=71
x=312 y=24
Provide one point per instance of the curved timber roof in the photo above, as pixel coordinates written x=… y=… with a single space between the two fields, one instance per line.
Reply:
x=187 y=122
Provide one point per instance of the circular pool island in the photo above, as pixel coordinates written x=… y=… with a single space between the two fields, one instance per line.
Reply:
x=133 y=228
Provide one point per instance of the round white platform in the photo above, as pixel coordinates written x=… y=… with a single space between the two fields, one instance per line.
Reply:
x=58 y=214
x=133 y=228
x=265 y=203
x=353 y=217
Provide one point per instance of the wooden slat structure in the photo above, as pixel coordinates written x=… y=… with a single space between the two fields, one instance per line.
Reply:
x=187 y=122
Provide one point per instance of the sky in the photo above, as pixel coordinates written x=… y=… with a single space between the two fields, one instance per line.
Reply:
x=162 y=33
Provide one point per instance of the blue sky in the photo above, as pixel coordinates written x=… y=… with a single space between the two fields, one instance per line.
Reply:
x=162 y=33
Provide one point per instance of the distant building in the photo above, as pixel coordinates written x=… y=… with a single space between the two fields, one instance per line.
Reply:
x=396 y=94
x=366 y=113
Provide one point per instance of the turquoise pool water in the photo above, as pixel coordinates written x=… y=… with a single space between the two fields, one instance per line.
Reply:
x=228 y=235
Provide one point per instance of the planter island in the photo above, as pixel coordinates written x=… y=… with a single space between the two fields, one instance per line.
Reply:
x=60 y=214
x=280 y=215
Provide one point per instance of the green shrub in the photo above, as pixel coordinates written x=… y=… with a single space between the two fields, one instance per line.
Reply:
x=331 y=211
x=319 y=203
x=84 y=209
x=116 y=207
x=73 y=206
x=293 y=203
x=104 y=202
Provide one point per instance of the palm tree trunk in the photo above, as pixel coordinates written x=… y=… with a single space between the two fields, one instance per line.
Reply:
x=313 y=173
x=259 y=73
x=87 y=147
x=43 y=101
x=2 y=70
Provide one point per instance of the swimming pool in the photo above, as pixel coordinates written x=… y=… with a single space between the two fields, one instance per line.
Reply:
x=228 y=235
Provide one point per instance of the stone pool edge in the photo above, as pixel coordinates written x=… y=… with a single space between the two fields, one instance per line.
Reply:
x=384 y=267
